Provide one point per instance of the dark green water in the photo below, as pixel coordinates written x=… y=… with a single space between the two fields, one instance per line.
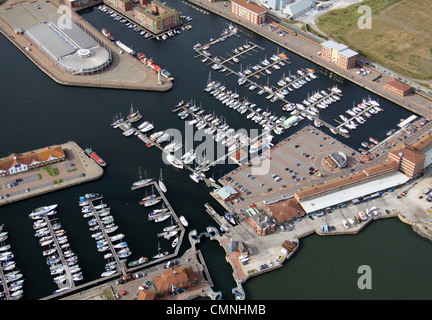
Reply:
x=37 y=112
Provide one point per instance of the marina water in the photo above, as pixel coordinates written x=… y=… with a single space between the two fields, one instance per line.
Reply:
x=37 y=112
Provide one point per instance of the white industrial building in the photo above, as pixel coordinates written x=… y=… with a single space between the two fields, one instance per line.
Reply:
x=73 y=49
x=298 y=8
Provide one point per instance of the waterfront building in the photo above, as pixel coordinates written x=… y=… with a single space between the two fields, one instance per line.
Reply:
x=146 y=295
x=227 y=193
x=291 y=121
x=404 y=162
x=411 y=161
x=71 y=48
x=344 y=189
x=339 y=54
x=249 y=11
x=158 y=17
x=297 y=9
x=286 y=210
x=17 y=162
x=259 y=221
x=398 y=87
x=174 y=279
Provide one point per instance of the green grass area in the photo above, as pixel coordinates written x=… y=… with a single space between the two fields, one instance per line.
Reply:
x=399 y=38
x=51 y=171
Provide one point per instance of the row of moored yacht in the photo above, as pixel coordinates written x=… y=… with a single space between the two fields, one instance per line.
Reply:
x=360 y=113
x=101 y=222
x=62 y=261
x=12 y=282
x=231 y=99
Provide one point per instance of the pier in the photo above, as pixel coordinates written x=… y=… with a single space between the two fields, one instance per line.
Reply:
x=173 y=215
x=62 y=261
x=120 y=266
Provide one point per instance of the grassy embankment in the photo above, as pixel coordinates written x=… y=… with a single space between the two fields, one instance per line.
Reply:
x=400 y=37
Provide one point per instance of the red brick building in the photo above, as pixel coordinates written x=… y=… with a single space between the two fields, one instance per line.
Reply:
x=339 y=54
x=249 y=11
x=157 y=16
x=174 y=279
x=398 y=87
x=411 y=161
x=259 y=221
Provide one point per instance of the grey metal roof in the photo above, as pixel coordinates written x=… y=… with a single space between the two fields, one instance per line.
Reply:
x=334 y=45
x=298 y=6
x=63 y=43
x=50 y=40
x=348 y=53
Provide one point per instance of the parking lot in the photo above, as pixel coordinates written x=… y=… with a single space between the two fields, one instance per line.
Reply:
x=296 y=162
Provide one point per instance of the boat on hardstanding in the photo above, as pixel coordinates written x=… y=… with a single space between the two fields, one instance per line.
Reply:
x=141 y=260
x=41 y=210
x=93 y=155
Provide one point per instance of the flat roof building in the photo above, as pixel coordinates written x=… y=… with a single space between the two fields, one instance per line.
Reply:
x=338 y=54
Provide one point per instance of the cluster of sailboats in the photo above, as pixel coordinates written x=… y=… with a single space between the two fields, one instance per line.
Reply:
x=152 y=199
x=359 y=114
x=309 y=108
x=279 y=60
x=231 y=99
x=163 y=214
x=62 y=261
x=286 y=83
x=11 y=277
x=101 y=223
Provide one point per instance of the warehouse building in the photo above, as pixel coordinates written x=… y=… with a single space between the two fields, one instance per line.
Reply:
x=71 y=48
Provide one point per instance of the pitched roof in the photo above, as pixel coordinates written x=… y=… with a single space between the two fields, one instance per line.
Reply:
x=398 y=85
x=408 y=152
x=173 y=277
x=251 y=6
x=31 y=157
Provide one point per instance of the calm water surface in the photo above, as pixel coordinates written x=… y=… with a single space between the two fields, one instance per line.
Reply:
x=37 y=112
